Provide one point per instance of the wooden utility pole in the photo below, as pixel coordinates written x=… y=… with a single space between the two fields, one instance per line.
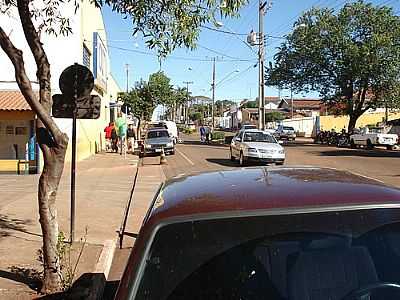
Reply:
x=261 y=98
x=187 y=101
x=213 y=96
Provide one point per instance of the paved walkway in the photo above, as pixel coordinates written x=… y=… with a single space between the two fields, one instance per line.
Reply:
x=104 y=183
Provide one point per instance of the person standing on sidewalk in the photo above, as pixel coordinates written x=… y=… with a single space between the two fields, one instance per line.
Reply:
x=108 y=131
x=114 y=139
x=202 y=133
x=131 y=138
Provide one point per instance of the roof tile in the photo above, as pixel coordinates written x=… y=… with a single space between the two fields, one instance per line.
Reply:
x=13 y=100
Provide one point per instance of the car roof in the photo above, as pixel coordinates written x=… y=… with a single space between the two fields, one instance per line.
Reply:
x=255 y=189
x=254 y=130
x=157 y=129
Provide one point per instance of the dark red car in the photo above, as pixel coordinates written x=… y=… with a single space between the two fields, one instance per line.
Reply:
x=258 y=233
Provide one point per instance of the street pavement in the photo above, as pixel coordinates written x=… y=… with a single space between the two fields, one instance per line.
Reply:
x=193 y=157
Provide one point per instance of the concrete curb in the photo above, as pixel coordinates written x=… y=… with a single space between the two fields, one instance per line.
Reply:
x=102 y=270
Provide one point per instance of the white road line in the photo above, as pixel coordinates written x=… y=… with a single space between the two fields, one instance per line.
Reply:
x=185 y=157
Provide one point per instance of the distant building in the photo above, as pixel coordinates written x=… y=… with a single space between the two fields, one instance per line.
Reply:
x=302 y=107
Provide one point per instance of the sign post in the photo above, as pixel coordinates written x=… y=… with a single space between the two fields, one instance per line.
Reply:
x=76 y=83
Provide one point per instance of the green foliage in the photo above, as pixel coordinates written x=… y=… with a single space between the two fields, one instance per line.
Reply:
x=160 y=88
x=187 y=130
x=250 y=104
x=63 y=252
x=351 y=58
x=222 y=105
x=140 y=100
x=196 y=116
x=218 y=135
x=274 y=116
x=170 y=24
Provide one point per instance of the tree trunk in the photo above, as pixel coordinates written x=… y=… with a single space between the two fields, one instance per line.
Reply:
x=352 y=122
x=48 y=185
x=51 y=140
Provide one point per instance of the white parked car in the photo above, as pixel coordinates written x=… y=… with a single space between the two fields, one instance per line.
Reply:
x=256 y=145
x=373 y=137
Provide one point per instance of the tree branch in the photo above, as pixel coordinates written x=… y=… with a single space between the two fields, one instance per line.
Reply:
x=24 y=83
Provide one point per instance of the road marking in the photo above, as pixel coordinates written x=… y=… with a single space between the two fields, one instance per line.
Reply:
x=185 y=157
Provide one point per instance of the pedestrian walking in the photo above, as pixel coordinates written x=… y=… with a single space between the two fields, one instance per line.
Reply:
x=202 y=133
x=120 y=124
x=131 y=138
x=108 y=131
x=208 y=134
x=114 y=139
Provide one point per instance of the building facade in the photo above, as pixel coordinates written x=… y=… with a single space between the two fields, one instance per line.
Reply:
x=86 y=45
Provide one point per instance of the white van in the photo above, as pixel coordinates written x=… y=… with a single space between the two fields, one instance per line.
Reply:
x=172 y=129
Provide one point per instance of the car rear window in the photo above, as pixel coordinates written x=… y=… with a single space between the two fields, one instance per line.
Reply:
x=287 y=128
x=274 y=257
x=157 y=133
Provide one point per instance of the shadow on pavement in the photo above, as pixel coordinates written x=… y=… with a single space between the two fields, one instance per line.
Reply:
x=361 y=153
x=88 y=286
x=30 y=277
x=223 y=162
x=8 y=225
x=198 y=143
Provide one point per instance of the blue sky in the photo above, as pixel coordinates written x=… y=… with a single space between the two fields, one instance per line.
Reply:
x=184 y=65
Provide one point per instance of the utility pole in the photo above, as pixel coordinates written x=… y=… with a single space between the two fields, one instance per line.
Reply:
x=213 y=97
x=187 y=101
x=291 y=101
x=261 y=57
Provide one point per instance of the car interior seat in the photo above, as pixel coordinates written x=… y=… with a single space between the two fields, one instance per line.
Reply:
x=330 y=273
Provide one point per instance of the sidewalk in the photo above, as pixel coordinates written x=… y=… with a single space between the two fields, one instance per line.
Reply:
x=104 y=182
x=150 y=177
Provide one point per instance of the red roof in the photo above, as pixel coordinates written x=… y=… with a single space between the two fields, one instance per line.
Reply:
x=13 y=100
x=306 y=103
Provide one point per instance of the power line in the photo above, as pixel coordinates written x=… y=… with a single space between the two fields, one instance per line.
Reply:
x=220 y=53
x=175 y=57
x=238 y=75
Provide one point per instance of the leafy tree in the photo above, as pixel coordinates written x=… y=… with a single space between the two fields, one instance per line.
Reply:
x=222 y=105
x=160 y=88
x=196 y=116
x=274 y=116
x=250 y=104
x=165 y=26
x=351 y=58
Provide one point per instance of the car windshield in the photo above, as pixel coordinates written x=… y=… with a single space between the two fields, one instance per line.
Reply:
x=376 y=130
x=328 y=255
x=157 y=134
x=258 y=137
x=288 y=128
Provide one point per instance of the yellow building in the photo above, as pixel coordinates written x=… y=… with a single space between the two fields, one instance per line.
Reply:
x=87 y=45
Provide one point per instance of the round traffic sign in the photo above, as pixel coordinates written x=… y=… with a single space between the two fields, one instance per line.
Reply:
x=76 y=78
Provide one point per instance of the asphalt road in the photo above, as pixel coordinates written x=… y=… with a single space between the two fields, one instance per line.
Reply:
x=192 y=157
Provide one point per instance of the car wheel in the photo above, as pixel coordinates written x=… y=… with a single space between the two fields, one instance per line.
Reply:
x=352 y=144
x=389 y=147
x=369 y=144
x=279 y=163
x=242 y=161
x=232 y=157
x=173 y=152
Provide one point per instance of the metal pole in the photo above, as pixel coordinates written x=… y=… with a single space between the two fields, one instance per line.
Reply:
x=187 y=101
x=261 y=99
x=73 y=158
x=291 y=100
x=213 y=97
x=127 y=77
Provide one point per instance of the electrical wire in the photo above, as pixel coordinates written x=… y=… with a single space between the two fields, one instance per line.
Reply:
x=193 y=58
